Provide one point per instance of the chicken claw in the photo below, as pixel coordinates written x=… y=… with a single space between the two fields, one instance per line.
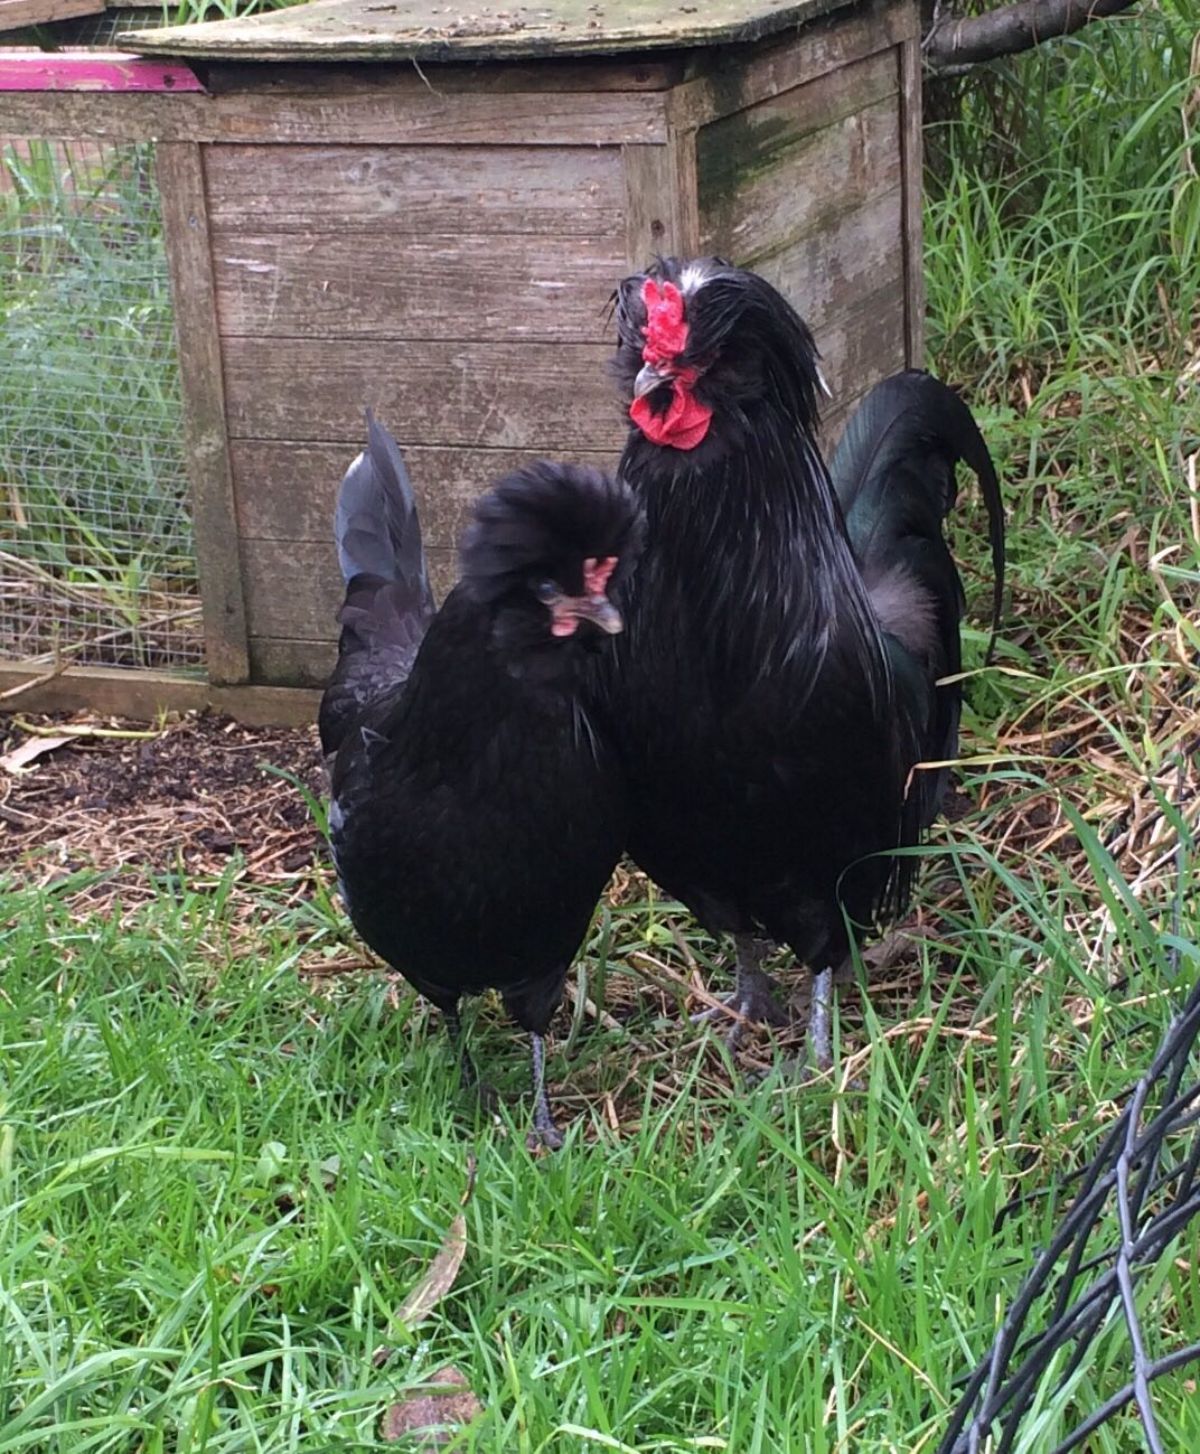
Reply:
x=753 y=996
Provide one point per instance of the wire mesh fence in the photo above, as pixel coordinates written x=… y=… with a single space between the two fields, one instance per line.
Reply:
x=96 y=558
x=1135 y=1204
x=102 y=30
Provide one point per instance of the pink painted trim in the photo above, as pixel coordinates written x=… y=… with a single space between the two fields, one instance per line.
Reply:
x=64 y=70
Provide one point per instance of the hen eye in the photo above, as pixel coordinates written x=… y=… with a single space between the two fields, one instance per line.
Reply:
x=547 y=591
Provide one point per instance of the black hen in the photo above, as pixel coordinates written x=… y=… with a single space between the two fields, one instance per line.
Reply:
x=476 y=813
x=785 y=633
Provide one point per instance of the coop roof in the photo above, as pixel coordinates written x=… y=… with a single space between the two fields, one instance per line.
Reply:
x=449 y=30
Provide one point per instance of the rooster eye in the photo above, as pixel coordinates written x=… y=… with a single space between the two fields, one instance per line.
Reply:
x=547 y=591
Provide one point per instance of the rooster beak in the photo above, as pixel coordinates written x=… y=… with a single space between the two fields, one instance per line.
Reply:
x=601 y=612
x=647 y=381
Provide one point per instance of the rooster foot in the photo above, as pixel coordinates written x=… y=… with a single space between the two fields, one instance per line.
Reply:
x=752 y=1001
x=818 y=1059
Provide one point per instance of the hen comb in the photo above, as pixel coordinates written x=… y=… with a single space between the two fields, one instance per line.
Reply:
x=596 y=574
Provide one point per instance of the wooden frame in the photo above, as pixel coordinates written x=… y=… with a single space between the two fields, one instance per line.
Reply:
x=145 y=695
x=214 y=519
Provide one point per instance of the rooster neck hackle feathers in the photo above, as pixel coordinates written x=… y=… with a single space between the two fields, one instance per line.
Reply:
x=754 y=497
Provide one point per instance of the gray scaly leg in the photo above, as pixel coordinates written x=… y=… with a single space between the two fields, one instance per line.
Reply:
x=545 y=1132
x=466 y=1067
x=753 y=995
x=820 y=1042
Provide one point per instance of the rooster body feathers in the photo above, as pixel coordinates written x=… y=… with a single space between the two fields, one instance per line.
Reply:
x=785 y=632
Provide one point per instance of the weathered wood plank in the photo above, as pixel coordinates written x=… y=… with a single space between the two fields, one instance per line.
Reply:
x=16 y=14
x=650 y=205
x=828 y=269
x=282 y=662
x=429 y=30
x=835 y=419
x=800 y=195
x=294 y=588
x=731 y=80
x=488 y=395
x=774 y=171
x=551 y=191
x=591 y=73
x=863 y=345
x=288 y=491
x=144 y=695
x=185 y=226
x=681 y=145
x=425 y=119
x=914 y=261
x=347 y=284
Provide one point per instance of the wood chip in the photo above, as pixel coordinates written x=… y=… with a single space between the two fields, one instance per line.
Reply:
x=21 y=759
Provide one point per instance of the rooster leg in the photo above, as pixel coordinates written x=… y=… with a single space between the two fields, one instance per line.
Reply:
x=753 y=996
x=545 y=1132
x=820 y=1040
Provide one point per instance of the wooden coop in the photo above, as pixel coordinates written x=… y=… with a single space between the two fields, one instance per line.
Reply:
x=426 y=211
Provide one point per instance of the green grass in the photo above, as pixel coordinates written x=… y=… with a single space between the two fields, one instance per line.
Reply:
x=221 y=1176
x=1065 y=206
x=779 y=1269
x=188 y=12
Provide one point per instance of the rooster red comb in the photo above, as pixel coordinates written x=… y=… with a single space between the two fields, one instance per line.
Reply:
x=685 y=422
x=666 y=332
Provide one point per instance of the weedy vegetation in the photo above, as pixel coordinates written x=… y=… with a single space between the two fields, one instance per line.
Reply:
x=228 y=1155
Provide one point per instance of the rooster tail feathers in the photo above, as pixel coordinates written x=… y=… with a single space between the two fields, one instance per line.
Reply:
x=376 y=526
x=893 y=470
x=894 y=476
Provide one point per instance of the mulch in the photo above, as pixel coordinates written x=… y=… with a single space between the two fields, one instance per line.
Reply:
x=184 y=798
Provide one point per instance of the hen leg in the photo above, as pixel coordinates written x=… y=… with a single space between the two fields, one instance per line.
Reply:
x=545 y=1132
x=753 y=994
x=466 y=1066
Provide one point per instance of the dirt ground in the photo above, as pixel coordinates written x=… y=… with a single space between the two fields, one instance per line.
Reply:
x=183 y=797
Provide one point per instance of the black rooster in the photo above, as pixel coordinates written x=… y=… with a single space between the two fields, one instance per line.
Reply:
x=475 y=810
x=786 y=633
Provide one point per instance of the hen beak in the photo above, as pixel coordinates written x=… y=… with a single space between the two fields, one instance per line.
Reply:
x=601 y=612
x=648 y=380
